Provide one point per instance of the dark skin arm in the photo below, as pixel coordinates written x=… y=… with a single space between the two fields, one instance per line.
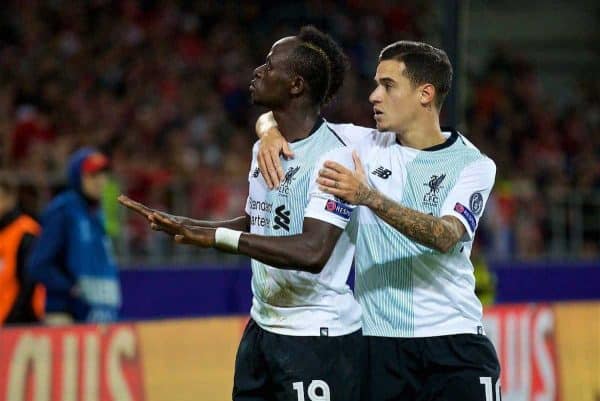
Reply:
x=308 y=251
x=241 y=223
x=438 y=233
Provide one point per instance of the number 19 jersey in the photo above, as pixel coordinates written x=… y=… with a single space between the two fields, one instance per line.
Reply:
x=291 y=302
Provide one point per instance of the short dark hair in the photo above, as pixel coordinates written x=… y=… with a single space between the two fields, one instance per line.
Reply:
x=424 y=64
x=321 y=62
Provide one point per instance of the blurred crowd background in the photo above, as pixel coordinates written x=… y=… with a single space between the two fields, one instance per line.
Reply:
x=162 y=88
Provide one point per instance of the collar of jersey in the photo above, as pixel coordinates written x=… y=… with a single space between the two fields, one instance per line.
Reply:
x=314 y=129
x=446 y=144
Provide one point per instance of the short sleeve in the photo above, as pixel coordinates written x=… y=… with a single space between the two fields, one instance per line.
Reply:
x=467 y=200
x=326 y=207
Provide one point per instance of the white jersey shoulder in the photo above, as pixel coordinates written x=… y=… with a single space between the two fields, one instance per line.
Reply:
x=357 y=136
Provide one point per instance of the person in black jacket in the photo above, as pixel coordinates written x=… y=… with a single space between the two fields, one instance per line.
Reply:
x=20 y=300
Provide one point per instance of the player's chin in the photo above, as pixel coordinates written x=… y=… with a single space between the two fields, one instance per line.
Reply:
x=257 y=100
x=381 y=126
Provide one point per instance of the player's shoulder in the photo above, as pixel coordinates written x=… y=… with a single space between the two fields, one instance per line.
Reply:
x=476 y=154
x=478 y=162
x=342 y=155
x=362 y=137
x=346 y=130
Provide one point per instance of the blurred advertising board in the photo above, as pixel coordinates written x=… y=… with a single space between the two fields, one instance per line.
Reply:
x=75 y=363
x=154 y=361
x=549 y=352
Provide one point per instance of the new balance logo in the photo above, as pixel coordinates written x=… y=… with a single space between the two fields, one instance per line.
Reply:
x=382 y=172
x=282 y=220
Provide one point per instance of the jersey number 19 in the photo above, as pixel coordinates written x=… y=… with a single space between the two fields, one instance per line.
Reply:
x=315 y=386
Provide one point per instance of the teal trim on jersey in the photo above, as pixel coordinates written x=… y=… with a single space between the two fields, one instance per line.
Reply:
x=291 y=198
x=385 y=268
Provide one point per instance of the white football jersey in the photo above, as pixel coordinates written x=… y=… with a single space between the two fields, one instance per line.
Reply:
x=406 y=289
x=292 y=302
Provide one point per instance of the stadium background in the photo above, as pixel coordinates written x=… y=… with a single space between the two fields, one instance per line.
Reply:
x=161 y=86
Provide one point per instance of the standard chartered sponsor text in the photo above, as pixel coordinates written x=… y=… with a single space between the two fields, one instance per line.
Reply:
x=258 y=205
x=259 y=221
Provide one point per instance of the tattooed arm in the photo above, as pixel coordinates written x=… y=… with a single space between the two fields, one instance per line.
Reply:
x=439 y=233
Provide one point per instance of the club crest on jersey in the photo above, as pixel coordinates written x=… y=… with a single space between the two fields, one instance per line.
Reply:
x=256 y=173
x=284 y=187
x=435 y=184
x=338 y=208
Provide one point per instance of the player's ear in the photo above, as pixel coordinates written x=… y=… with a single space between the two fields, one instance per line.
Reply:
x=426 y=94
x=297 y=85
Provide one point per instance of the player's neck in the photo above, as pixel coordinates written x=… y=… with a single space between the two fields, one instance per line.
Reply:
x=422 y=134
x=296 y=125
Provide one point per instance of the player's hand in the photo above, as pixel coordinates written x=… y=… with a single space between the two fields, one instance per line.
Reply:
x=351 y=186
x=136 y=206
x=144 y=210
x=199 y=236
x=273 y=144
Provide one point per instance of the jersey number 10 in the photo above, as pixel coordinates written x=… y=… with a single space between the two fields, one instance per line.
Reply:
x=487 y=382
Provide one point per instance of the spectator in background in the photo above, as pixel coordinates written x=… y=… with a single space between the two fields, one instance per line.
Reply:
x=90 y=72
x=73 y=257
x=20 y=301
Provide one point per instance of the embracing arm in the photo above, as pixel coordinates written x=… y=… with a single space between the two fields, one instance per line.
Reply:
x=264 y=123
x=272 y=145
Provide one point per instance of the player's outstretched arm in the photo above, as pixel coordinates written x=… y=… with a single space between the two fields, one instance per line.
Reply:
x=239 y=223
x=272 y=145
x=439 y=233
x=308 y=251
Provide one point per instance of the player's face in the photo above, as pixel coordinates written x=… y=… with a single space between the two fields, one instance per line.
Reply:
x=395 y=100
x=271 y=82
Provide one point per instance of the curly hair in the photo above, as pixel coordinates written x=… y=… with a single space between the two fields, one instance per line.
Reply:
x=321 y=62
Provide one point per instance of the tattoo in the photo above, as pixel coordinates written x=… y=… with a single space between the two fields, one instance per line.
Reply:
x=365 y=195
x=433 y=232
